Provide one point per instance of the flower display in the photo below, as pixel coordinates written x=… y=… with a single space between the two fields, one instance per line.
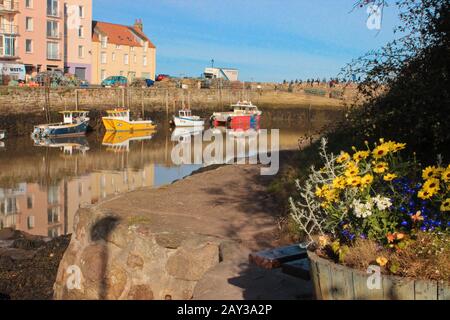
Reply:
x=374 y=194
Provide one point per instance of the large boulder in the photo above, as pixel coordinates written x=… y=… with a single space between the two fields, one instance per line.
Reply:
x=112 y=257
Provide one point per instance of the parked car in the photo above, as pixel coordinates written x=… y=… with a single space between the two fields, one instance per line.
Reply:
x=84 y=84
x=161 y=77
x=142 y=83
x=115 y=81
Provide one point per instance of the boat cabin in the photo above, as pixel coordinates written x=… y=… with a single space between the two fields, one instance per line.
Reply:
x=122 y=114
x=73 y=117
x=244 y=107
x=185 y=113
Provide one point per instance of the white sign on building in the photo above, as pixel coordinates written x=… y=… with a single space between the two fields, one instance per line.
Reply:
x=13 y=70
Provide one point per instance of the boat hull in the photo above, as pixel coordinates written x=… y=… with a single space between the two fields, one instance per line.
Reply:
x=186 y=122
x=109 y=124
x=62 y=130
x=246 y=121
x=127 y=126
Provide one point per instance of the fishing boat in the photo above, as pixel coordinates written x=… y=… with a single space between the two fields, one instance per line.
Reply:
x=119 y=120
x=120 y=141
x=75 y=123
x=242 y=113
x=2 y=134
x=186 y=119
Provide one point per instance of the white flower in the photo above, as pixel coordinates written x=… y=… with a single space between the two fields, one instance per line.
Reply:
x=382 y=203
x=362 y=210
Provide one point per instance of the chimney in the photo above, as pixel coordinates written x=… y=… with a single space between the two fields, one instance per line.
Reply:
x=139 y=25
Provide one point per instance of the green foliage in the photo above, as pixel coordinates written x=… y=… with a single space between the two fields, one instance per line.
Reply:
x=405 y=85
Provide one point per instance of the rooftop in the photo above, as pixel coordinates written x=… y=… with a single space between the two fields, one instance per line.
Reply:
x=119 y=34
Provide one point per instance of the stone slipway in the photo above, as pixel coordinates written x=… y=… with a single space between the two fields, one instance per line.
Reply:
x=188 y=240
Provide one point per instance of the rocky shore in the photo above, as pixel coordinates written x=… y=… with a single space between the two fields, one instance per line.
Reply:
x=28 y=265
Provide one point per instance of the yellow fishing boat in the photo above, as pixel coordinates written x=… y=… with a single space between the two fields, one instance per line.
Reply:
x=119 y=120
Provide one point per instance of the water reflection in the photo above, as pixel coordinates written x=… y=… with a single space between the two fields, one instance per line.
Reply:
x=44 y=182
x=68 y=145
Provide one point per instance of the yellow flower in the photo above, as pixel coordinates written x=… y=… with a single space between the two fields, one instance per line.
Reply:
x=381 y=167
x=360 y=155
x=367 y=179
x=424 y=195
x=344 y=157
x=382 y=261
x=381 y=151
x=432 y=186
x=398 y=146
x=352 y=169
x=354 y=181
x=446 y=175
x=339 y=183
x=389 y=177
x=331 y=195
x=320 y=192
x=445 y=206
x=429 y=172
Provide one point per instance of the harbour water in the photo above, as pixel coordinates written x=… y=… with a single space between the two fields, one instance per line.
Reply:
x=44 y=183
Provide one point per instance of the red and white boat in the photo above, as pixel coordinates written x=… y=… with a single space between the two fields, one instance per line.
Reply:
x=242 y=114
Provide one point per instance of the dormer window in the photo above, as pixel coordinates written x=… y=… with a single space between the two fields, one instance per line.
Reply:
x=104 y=40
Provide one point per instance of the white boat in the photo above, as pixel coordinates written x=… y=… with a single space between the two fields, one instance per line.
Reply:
x=186 y=119
x=2 y=134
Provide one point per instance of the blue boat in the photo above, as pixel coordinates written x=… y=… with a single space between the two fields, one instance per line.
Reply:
x=75 y=123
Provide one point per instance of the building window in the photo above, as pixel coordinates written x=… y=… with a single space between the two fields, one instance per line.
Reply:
x=29 y=24
x=28 y=46
x=126 y=59
x=81 y=32
x=53 y=215
x=29 y=3
x=80 y=52
x=29 y=202
x=7 y=46
x=145 y=61
x=53 y=51
x=104 y=40
x=118 y=47
x=145 y=46
x=81 y=11
x=52 y=8
x=103 y=74
x=52 y=29
x=30 y=222
x=113 y=56
x=103 y=58
x=135 y=59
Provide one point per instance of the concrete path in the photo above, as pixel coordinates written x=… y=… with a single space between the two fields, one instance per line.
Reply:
x=229 y=203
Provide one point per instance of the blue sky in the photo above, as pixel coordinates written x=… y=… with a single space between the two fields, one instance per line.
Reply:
x=267 y=40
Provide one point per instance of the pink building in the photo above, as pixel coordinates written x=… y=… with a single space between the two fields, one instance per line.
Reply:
x=9 y=30
x=53 y=34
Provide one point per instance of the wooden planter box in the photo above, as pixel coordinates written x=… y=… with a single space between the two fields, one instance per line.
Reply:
x=336 y=282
